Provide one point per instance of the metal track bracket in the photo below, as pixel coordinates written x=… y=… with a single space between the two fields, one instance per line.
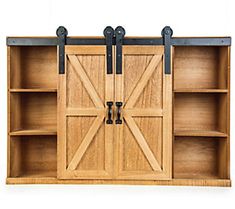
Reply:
x=109 y=33
x=119 y=34
x=61 y=33
x=167 y=33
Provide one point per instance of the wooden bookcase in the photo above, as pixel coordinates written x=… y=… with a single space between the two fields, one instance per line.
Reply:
x=199 y=85
x=201 y=112
x=32 y=116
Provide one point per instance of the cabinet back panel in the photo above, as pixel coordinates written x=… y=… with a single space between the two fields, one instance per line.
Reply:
x=15 y=112
x=198 y=157
x=224 y=67
x=33 y=155
x=195 y=112
x=200 y=67
x=16 y=165
x=34 y=111
x=33 y=67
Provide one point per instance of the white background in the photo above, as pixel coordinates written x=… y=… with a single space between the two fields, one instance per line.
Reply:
x=86 y=17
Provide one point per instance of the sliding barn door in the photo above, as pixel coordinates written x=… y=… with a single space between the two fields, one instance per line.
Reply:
x=144 y=136
x=84 y=138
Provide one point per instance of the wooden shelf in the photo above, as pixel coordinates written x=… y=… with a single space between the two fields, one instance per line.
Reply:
x=195 y=176
x=199 y=133
x=39 y=174
x=33 y=132
x=200 y=90
x=40 y=90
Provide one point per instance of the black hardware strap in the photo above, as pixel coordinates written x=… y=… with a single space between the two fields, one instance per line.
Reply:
x=108 y=33
x=62 y=35
x=167 y=32
x=119 y=34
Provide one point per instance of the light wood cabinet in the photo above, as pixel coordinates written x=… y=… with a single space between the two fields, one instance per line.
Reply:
x=119 y=110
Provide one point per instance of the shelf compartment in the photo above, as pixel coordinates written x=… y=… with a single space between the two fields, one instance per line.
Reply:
x=199 y=133
x=40 y=90
x=200 y=158
x=200 y=114
x=201 y=67
x=33 y=132
x=33 y=111
x=201 y=91
x=33 y=67
x=33 y=156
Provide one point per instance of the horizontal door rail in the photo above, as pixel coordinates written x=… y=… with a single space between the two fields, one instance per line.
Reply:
x=199 y=41
x=187 y=41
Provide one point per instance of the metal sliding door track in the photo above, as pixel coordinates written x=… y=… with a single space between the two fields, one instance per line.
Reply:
x=174 y=41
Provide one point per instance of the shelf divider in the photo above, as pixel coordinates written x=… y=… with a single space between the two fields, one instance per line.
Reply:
x=29 y=132
x=40 y=90
x=199 y=133
x=201 y=90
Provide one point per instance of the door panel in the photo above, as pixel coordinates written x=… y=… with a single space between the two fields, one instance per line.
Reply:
x=143 y=142
x=85 y=140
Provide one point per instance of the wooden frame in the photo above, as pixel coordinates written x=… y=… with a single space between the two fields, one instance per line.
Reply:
x=200 y=112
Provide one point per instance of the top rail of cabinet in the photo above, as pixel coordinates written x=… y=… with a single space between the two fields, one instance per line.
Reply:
x=131 y=40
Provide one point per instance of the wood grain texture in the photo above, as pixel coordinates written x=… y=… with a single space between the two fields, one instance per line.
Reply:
x=33 y=90
x=201 y=115
x=143 y=81
x=197 y=67
x=33 y=67
x=173 y=182
x=196 y=157
x=142 y=143
x=28 y=132
x=200 y=90
x=83 y=93
x=140 y=138
x=199 y=133
x=30 y=111
x=85 y=143
x=79 y=71
x=112 y=155
x=109 y=128
x=28 y=155
x=8 y=110
x=196 y=112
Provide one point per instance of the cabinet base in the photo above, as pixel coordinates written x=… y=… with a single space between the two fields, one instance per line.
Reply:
x=173 y=182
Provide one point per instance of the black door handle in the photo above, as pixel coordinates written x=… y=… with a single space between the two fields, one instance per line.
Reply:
x=118 y=120
x=109 y=120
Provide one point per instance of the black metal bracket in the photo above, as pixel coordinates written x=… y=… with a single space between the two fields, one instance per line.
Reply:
x=108 y=33
x=118 y=120
x=167 y=33
x=61 y=33
x=119 y=34
x=175 y=41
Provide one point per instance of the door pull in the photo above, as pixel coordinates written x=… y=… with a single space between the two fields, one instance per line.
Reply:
x=109 y=120
x=118 y=120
